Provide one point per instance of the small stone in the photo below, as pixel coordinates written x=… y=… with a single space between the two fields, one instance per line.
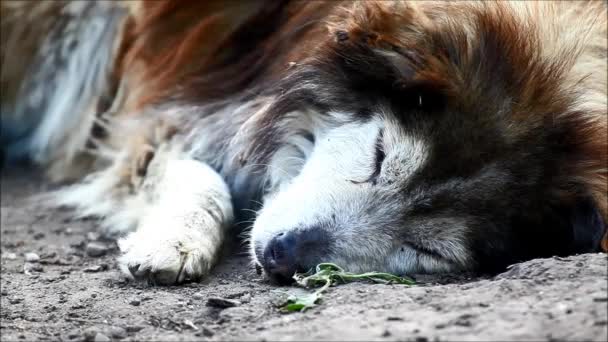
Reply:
x=118 y=332
x=50 y=255
x=394 y=318
x=563 y=307
x=246 y=298
x=96 y=249
x=188 y=323
x=222 y=303
x=28 y=268
x=38 y=236
x=386 y=333
x=101 y=338
x=95 y=268
x=89 y=334
x=78 y=245
x=133 y=328
x=73 y=334
x=135 y=302
x=198 y=296
x=207 y=332
x=15 y=300
x=31 y=257
x=9 y=256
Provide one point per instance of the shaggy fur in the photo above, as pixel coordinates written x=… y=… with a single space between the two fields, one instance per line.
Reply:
x=391 y=135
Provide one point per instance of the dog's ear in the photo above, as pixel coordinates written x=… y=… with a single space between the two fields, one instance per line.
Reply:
x=589 y=229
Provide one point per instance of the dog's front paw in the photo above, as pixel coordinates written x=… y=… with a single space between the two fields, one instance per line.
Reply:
x=166 y=258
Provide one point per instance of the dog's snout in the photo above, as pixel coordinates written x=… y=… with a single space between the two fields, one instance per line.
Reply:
x=296 y=251
x=279 y=257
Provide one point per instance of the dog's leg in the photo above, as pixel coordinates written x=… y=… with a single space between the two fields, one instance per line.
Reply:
x=178 y=238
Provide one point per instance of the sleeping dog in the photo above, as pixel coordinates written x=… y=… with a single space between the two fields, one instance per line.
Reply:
x=393 y=136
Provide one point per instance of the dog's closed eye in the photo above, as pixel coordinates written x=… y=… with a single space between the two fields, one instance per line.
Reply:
x=380 y=155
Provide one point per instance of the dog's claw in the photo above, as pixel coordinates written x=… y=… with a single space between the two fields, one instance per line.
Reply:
x=133 y=269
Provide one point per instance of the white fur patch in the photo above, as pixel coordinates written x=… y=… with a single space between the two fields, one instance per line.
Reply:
x=329 y=192
x=180 y=234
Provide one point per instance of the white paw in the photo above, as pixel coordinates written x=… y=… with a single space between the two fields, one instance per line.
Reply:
x=167 y=256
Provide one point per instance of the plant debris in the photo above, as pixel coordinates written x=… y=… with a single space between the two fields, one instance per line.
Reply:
x=328 y=274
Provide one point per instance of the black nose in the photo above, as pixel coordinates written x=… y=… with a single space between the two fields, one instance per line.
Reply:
x=280 y=258
x=296 y=251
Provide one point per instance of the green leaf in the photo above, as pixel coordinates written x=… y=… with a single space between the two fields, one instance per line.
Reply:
x=328 y=274
x=301 y=303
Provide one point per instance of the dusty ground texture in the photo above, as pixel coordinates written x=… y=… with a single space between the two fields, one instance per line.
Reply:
x=69 y=295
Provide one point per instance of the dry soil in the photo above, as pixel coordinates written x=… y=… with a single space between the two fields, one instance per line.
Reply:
x=60 y=292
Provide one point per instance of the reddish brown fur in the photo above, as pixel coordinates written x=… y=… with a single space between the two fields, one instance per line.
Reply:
x=200 y=51
x=190 y=45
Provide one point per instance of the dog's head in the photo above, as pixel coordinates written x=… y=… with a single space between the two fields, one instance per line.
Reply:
x=434 y=138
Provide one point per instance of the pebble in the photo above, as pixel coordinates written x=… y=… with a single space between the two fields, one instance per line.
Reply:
x=133 y=328
x=198 y=296
x=222 y=303
x=101 y=338
x=9 y=256
x=190 y=325
x=96 y=249
x=27 y=268
x=78 y=245
x=73 y=334
x=15 y=300
x=31 y=257
x=118 y=332
x=95 y=268
x=246 y=298
x=89 y=334
x=135 y=302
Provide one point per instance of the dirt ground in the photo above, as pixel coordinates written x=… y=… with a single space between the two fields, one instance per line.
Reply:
x=63 y=293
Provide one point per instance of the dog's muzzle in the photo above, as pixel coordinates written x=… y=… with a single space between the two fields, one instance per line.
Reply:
x=295 y=251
